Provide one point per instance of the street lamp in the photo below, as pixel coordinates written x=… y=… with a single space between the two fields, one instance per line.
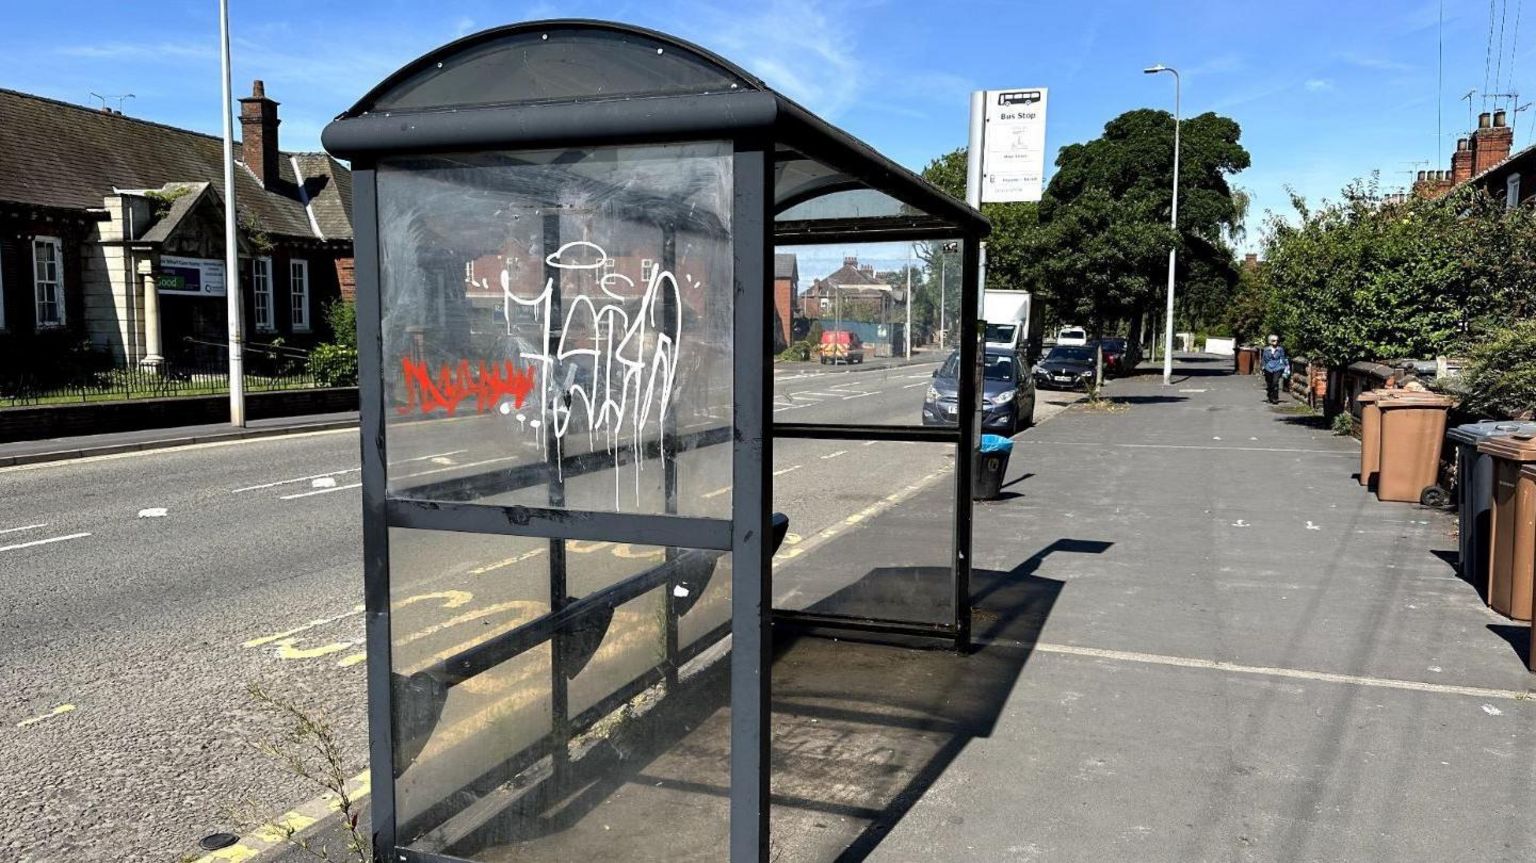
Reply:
x=1173 y=251
x=944 y=252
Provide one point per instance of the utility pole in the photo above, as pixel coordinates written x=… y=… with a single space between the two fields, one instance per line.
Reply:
x=1173 y=252
x=231 y=235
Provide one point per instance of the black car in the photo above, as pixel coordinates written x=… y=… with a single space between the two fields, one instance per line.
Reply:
x=1008 y=394
x=1066 y=368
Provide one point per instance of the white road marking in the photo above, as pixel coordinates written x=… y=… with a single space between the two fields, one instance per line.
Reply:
x=320 y=491
x=823 y=395
x=434 y=458
x=869 y=443
x=775 y=473
x=323 y=482
x=835 y=454
x=25 y=527
x=716 y=493
x=20 y=545
x=915 y=386
x=1193 y=447
x=309 y=478
x=153 y=512
x=1272 y=671
x=862 y=395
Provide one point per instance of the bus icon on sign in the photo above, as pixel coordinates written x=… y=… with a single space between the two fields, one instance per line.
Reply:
x=1018 y=97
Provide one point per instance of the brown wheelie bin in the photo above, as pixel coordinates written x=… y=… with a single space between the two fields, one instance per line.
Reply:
x=1370 y=434
x=1528 y=478
x=1412 y=432
x=1512 y=539
x=1246 y=360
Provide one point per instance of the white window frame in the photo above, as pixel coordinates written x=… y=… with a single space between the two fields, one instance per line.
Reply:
x=265 y=316
x=646 y=266
x=298 y=293
x=57 y=283
x=1512 y=191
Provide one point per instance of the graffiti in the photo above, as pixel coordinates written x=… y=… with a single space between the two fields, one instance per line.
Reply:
x=489 y=387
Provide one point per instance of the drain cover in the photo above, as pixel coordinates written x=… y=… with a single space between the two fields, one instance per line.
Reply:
x=215 y=841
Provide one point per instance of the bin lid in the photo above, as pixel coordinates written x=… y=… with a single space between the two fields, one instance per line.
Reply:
x=1413 y=399
x=1514 y=447
x=1377 y=395
x=1472 y=433
x=1529 y=471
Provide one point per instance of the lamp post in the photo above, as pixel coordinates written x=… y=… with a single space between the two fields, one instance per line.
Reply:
x=231 y=235
x=1173 y=251
x=944 y=253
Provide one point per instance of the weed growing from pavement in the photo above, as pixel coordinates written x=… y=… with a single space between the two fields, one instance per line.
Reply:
x=309 y=750
x=1344 y=425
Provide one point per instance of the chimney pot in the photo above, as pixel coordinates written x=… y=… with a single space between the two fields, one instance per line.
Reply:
x=851 y=261
x=258 y=89
x=1484 y=120
x=1463 y=144
x=1498 y=118
x=1423 y=176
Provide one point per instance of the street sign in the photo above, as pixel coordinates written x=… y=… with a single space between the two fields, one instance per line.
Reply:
x=201 y=277
x=1013 y=146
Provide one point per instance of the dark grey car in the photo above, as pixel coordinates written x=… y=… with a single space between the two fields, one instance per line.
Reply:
x=1008 y=394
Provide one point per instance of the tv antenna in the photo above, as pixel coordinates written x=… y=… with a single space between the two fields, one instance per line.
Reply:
x=121 y=97
x=1468 y=99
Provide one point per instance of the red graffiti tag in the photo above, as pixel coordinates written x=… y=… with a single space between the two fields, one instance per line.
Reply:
x=453 y=386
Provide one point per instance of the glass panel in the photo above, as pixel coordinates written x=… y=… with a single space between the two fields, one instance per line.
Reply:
x=558 y=63
x=495 y=759
x=847 y=323
x=871 y=529
x=550 y=315
x=849 y=204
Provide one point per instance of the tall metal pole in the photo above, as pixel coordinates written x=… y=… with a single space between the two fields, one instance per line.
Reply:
x=1173 y=251
x=231 y=237
x=977 y=141
x=943 y=295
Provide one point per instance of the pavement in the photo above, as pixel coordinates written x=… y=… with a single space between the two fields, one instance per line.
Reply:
x=1197 y=639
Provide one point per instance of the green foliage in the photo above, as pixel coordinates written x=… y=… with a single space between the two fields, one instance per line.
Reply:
x=1361 y=279
x=1251 y=314
x=1344 y=424
x=334 y=364
x=1501 y=379
x=797 y=351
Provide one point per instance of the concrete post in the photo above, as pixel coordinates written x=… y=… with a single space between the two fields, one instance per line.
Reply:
x=152 y=356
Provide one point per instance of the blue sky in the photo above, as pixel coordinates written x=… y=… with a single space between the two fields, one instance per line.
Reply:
x=1325 y=90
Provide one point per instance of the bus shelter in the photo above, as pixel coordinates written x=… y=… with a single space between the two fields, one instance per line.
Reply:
x=565 y=235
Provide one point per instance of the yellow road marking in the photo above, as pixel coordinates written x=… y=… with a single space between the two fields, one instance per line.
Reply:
x=783 y=471
x=580 y=547
x=266 y=639
x=287 y=650
x=451 y=598
x=280 y=830
x=57 y=711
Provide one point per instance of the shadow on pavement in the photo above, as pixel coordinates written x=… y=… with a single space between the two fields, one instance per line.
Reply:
x=1519 y=638
x=1145 y=400
x=862 y=727
x=1307 y=420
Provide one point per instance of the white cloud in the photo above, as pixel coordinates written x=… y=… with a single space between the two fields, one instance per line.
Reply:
x=1317 y=85
x=805 y=49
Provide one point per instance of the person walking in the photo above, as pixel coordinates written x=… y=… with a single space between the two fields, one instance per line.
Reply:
x=1276 y=365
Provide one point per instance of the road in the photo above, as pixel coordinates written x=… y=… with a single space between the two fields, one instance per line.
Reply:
x=144 y=593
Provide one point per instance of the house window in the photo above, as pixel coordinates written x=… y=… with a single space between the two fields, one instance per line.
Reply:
x=261 y=289
x=47 y=255
x=298 y=281
x=1512 y=192
x=646 y=266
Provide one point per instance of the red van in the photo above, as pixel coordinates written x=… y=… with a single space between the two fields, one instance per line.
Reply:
x=841 y=346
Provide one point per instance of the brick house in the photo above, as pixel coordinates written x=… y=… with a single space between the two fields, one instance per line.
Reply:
x=855 y=292
x=786 y=296
x=112 y=235
x=1482 y=159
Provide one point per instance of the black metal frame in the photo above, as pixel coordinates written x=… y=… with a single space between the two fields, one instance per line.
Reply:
x=761 y=125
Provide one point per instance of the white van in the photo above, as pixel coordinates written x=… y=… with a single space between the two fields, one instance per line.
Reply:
x=1072 y=336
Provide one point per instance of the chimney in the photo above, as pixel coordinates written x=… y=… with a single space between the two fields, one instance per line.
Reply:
x=258 y=135
x=1491 y=142
x=1461 y=162
x=1250 y=261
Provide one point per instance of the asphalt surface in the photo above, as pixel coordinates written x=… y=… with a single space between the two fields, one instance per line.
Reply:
x=145 y=592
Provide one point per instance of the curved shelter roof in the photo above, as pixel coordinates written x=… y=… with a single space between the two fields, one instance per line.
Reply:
x=578 y=82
